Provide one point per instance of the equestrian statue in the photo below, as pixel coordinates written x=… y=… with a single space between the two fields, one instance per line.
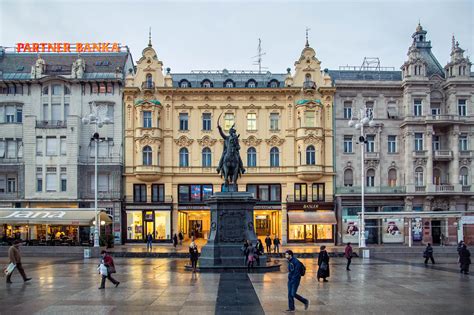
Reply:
x=230 y=165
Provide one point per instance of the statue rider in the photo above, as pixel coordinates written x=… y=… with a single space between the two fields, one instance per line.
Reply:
x=227 y=142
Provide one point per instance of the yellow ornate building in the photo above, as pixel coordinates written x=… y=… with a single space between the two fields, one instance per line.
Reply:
x=172 y=148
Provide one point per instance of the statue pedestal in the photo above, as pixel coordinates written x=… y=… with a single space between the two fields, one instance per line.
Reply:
x=231 y=224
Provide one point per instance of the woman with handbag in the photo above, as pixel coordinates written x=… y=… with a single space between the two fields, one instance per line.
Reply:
x=106 y=269
x=323 y=263
x=193 y=254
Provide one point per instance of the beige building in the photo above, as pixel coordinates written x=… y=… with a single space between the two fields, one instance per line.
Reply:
x=172 y=148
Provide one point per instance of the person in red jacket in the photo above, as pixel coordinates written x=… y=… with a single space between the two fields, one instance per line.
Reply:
x=108 y=262
x=348 y=255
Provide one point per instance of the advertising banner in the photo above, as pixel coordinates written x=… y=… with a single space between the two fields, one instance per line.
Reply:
x=417 y=229
x=393 y=231
x=350 y=229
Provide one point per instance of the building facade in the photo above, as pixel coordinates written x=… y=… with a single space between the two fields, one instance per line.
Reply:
x=46 y=155
x=172 y=148
x=417 y=156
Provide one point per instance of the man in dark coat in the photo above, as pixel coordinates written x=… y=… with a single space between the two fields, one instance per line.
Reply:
x=276 y=245
x=428 y=254
x=268 y=242
x=323 y=263
x=464 y=259
x=294 y=278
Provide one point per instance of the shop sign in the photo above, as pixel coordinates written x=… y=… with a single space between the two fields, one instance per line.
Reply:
x=310 y=206
x=393 y=231
x=350 y=229
x=267 y=207
x=417 y=229
x=102 y=47
x=193 y=208
x=36 y=214
x=148 y=207
x=467 y=219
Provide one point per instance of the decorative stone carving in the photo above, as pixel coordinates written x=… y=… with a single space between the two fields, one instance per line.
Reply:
x=440 y=204
x=465 y=161
x=145 y=140
x=78 y=69
x=372 y=163
x=252 y=141
x=230 y=226
x=420 y=162
x=274 y=141
x=312 y=139
x=183 y=141
x=206 y=141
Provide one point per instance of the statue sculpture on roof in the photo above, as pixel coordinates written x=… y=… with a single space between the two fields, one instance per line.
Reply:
x=38 y=69
x=78 y=68
x=230 y=165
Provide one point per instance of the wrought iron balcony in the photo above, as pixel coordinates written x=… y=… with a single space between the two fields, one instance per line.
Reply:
x=309 y=85
x=466 y=188
x=146 y=85
x=51 y=124
x=148 y=199
x=371 y=190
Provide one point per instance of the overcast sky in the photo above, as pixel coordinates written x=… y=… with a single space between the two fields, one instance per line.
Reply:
x=205 y=35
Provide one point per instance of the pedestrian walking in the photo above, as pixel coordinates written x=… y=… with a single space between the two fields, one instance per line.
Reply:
x=15 y=258
x=323 y=263
x=276 y=244
x=295 y=271
x=259 y=251
x=428 y=254
x=149 y=242
x=243 y=249
x=268 y=243
x=175 y=240
x=180 y=237
x=348 y=254
x=460 y=244
x=106 y=269
x=193 y=255
x=464 y=259
x=251 y=256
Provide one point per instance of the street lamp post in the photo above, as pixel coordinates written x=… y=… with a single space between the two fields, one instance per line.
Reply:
x=98 y=120
x=364 y=117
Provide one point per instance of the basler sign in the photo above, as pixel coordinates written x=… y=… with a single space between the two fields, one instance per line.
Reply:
x=102 y=47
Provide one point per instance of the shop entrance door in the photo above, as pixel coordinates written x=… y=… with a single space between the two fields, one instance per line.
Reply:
x=262 y=223
x=436 y=231
x=149 y=229
x=195 y=228
x=309 y=233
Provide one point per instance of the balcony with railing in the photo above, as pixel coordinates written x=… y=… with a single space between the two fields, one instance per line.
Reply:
x=309 y=172
x=309 y=85
x=444 y=188
x=466 y=188
x=10 y=160
x=466 y=154
x=420 y=188
x=10 y=195
x=371 y=190
x=101 y=195
x=372 y=155
x=51 y=124
x=420 y=153
x=147 y=85
x=148 y=199
x=443 y=155
x=148 y=173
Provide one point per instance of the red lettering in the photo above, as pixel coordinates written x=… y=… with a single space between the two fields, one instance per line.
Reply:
x=79 y=47
x=87 y=47
x=115 y=47
x=50 y=47
x=67 y=47
x=35 y=47
x=19 y=47
x=27 y=48
x=43 y=45
x=95 y=47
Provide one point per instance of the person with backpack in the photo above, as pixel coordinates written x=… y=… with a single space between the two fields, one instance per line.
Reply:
x=323 y=263
x=295 y=271
x=428 y=254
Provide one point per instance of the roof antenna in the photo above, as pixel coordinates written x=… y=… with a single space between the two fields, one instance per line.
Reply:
x=259 y=57
x=149 y=37
x=307 y=42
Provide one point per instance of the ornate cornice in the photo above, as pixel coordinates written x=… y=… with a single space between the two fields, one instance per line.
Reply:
x=183 y=141
x=312 y=139
x=274 y=141
x=252 y=141
x=206 y=141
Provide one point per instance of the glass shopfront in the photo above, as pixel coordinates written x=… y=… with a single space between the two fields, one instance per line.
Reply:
x=267 y=222
x=195 y=223
x=140 y=223
x=313 y=233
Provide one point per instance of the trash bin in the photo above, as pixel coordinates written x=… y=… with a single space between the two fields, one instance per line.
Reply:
x=87 y=253
x=365 y=253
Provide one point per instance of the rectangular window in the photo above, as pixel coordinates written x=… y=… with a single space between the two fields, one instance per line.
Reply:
x=51 y=146
x=318 y=192
x=195 y=193
x=348 y=144
x=309 y=119
x=10 y=114
x=55 y=112
x=274 y=121
x=51 y=180
x=3 y=184
x=56 y=89
x=19 y=115
x=228 y=121
x=419 y=142
x=347 y=110
x=301 y=192
x=103 y=149
x=251 y=121
x=146 y=119
x=66 y=111
x=392 y=144
x=39 y=179
x=103 y=182
x=263 y=192
x=252 y=189
x=11 y=149
x=157 y=193
x=275 y=192
x=45 y=112
x=110 y=112
x=206 y=121
x=417 y=107
x=462 y=108
x=11 y=185
x=370 y=145
x=63 y=182
x=139 y=192
x=207 y=191
x=369 y=105
x=39 y=146
x=63 y=145
x=2 y=148
x=183 y=193
x=183 y=121
x=463 y=143
x=436 y=143
x=2 y=113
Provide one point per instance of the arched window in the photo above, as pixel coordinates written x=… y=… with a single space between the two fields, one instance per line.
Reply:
x=464 y=176
x=45 y=90
x=147 y=155
x=274 y=157
x=348 y=178
x=149 y=81
x=370 y=179
x=307 y=77
x=229 y=84
x=392 y=177
x=273 y=84
x=251 y=157
x=310 y=155
x=183 y=157
x=206 y=84
x=184 y=84
x=419 y=181
x=251 y=83
x=206 y=157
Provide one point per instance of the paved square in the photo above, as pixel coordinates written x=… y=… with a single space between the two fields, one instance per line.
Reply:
x=161 y=286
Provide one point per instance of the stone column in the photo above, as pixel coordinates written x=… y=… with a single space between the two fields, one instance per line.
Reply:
x=284 y=224
x=454 y=165
x=409 y=169
x=429 y=165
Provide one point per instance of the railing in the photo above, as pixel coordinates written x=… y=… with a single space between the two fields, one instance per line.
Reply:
x=51 y=124
x=309 y=85
x=111 y=194
x=371 y=190
x=309 y=198
x=440 y=117
x=443 y=154
x=444 y=188
x=7 y=160
x=372 y=155
x=420 y=188
x=148 y=85
x=466 y=188
x=309 y=168
x=9 y=195
x=149 y=199
x=465 y=154
x=420 y=153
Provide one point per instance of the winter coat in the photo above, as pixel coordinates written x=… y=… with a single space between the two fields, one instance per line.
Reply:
x=276 y=241
x=294 y=270
x=193 y=253
x=268 y=241
x=348 y=252
x=464 y=257
x=323 y=258
x=14 y=255
x=259 y=248
x=108 y=261
x=428 y=252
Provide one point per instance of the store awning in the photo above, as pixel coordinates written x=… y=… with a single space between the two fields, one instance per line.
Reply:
x=316 y=217
x=61 y=216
